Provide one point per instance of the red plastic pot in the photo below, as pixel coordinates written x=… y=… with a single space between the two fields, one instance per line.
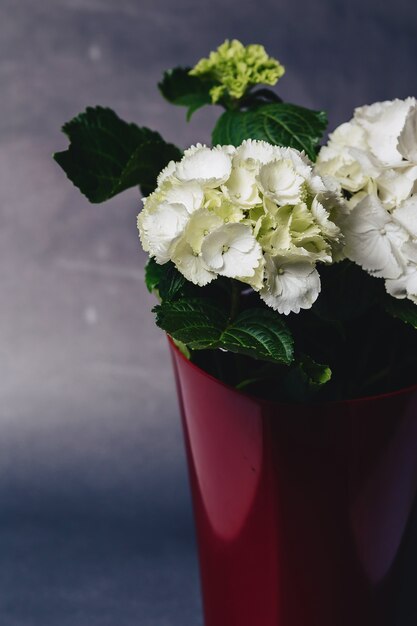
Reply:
x=302 y=512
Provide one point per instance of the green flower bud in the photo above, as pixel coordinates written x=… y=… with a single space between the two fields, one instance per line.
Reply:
x=236 y=68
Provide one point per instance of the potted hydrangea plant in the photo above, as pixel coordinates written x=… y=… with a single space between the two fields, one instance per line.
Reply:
x=286 y=277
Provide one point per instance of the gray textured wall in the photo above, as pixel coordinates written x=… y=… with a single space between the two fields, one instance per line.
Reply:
x=95 y=522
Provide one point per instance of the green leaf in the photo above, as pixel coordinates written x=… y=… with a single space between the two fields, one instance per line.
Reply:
x=201 y=324
x=153 y=274
x=171 y=282
x=179 y=88
x=305 y=379
x=315 y=373
x=107 y=155
x=404 y=310
x=281 y=124
x=197 y=322
x=165 y=279
x=261 y=334
x=182 y=348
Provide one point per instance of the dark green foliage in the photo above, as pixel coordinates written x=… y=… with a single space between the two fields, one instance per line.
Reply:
x=201 y=323
x=107 y=155
x=179 y=88
x=281 y=124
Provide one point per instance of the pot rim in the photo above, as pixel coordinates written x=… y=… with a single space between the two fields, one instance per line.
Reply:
x=270 y=403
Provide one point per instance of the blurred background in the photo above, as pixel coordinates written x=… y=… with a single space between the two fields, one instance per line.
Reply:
x=95 y=516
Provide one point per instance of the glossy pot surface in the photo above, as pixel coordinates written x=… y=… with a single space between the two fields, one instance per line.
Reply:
x=305 y=515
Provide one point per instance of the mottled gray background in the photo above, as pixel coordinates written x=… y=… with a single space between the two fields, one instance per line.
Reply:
x=95 y=519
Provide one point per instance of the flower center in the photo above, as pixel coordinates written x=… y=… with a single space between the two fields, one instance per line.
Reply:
x=225 y=249
x=281 y=271
x=205 y=233
x=226 y=220
x=383 y=231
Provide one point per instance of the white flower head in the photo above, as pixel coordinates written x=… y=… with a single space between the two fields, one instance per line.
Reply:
x=291 y=284
x=232 y=251
x=257 y=213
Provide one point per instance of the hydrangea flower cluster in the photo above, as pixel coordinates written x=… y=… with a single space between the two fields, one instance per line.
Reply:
x=237 y=67
x=374 y=158
x=257 y=213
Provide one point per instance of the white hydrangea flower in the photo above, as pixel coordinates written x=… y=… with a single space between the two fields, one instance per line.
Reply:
x=322 y=218
x=407 y=139
x=257 y=213
x=393 y=188
x=254 y=151
x=383 y=123
x=190 y=195
x=256 y=281
x=291 y=284
x=374 y=159
x=210 y=167
x=279 y=181
x=373 y=239
x=367 y=149
x=406 y=215
x=166 y=173
x=337 y=160
x=241 y=187
x=300 y=162
x=160 y=229
x=232 y=251
x=405 y=286
x=191 y=264
x=201 y=224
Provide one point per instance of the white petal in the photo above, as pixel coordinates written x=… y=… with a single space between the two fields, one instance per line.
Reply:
x=383 y=123
x=191 y=265
x=322 y=217
x=166 y=173
x=232 y=251
x=406 y=215
x=300 y=161
x=256 y=281
x=189 y=194
x=393 y=187
x=210 y=167
x=201 y=224
x=291 y=285
x=161 y=228
x=405 y=286
x=407 y=141
x=258 y=151
x=279 y=181
x=373 y=239
x=241 y=187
